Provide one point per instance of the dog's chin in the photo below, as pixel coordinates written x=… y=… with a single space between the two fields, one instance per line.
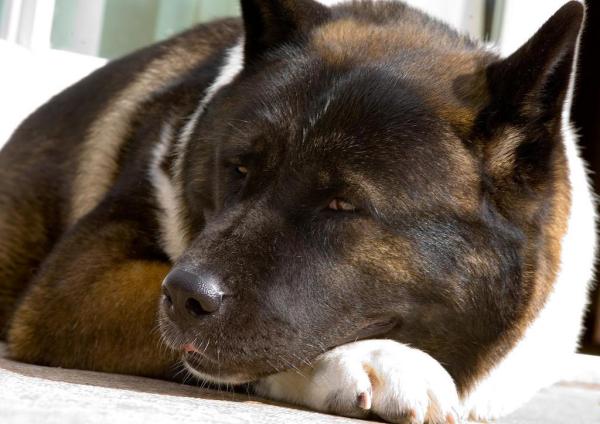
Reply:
x=208 y=370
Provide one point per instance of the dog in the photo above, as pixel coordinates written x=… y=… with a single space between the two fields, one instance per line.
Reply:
x=355 y=209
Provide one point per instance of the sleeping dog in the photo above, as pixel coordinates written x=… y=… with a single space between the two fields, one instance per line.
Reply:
x=355 y=209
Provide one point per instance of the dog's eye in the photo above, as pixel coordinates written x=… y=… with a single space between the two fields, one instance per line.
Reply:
x=341 y=205
x=241 y=170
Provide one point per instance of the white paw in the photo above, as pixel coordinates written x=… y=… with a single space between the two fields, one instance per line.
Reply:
x=398 y=383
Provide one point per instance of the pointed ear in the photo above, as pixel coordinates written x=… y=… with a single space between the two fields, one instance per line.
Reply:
x=270 y=23
x=533 y=82
x=521 y=126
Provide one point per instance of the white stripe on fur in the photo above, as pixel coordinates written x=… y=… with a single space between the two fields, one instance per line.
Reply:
x=169 y=193
x=234 y=62
x=172 y=229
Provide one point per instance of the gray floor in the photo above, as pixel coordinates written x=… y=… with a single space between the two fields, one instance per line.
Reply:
x=32 y=394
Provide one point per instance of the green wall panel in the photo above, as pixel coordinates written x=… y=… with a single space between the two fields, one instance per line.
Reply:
x=112 y=28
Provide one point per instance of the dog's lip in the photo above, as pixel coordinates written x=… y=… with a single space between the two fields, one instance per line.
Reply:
x=189 y=348
x=191 y=353
x=203 y=366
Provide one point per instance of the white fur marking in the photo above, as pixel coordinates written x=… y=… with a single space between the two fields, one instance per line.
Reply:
x=169 y=193
x=172 y=226
x=234 y=62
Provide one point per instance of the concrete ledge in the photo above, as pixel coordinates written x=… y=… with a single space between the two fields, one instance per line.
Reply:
x=34 y=394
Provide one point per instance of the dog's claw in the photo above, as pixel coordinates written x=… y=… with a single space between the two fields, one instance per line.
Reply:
x=364 y=401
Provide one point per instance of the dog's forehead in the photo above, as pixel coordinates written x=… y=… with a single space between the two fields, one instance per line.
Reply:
x=447 y=67
x=390 y=96
x=351 y=113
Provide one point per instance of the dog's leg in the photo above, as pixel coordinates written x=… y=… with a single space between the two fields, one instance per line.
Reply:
x=398 y=383
x=94 y=306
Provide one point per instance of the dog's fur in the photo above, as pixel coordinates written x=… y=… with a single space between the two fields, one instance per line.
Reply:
x=467 y=231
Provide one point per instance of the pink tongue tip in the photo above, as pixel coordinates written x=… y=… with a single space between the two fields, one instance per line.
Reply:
x=189 y=348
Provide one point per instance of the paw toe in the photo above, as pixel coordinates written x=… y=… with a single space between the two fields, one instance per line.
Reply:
x=364 y=400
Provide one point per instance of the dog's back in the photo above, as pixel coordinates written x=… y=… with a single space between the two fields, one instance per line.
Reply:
x=63 y=159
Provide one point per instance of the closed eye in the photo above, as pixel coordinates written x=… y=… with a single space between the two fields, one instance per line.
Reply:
x=241 y=170
x=341 y=205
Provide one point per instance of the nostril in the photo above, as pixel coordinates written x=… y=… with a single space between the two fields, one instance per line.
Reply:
x=195 y=308
x=186 y=294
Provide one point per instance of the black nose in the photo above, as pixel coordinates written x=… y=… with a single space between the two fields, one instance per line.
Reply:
x=192 y=295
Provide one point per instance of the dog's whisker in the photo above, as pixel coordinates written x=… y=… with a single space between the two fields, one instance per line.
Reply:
x=303 y=360
x=292 y=366
x=272 y=365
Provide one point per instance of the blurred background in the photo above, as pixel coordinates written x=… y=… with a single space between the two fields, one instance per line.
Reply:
x=46 y=45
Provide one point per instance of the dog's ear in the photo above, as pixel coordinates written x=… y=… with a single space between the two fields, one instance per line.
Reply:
x=533 y=82
x=269 y=24
x=521 y=125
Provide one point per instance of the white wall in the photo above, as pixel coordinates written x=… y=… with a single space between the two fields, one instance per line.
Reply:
x=28 y=78
x=522 y=18
x=78 y=26
x=464 y=14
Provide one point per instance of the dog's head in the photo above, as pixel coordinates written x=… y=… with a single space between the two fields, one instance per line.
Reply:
x=369 y=173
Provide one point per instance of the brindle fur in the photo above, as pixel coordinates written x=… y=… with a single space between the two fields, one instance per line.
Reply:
x=453 y=156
